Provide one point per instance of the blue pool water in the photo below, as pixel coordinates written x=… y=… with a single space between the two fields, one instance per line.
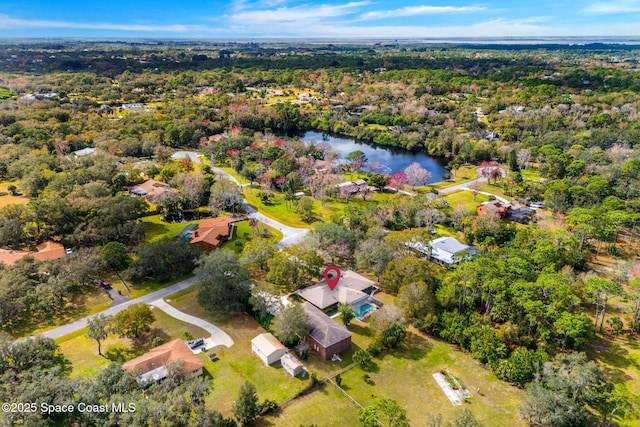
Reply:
x=364 y=309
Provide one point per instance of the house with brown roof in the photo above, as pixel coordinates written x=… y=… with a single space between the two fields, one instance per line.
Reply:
x=46 y=251
x=495 y=207
x=211 y=233
x=153 y=191
x=326 y=336
x=152 y=366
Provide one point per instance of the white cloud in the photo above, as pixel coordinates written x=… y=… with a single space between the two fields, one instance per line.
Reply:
x=613 y=7
x=304 y=13
x=7 y=22
x=419 y=10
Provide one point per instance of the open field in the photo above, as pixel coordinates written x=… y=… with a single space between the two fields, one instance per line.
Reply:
x=238 y=364
x=286 y=213
x=465 y=198
x=83 y=351
x=156 y=229
x=461 y=175
x=407 y=368
x=231 y=171
x=243 y=234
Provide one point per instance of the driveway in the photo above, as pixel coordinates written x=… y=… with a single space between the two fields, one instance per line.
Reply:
x=218 y=336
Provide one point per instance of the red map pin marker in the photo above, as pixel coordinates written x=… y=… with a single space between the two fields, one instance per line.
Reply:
x=332 y=276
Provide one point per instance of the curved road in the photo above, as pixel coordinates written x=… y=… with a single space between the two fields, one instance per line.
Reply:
x=290 y=235
x=146 y=299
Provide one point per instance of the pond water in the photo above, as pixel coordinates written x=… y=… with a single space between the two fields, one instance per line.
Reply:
x=395 y=159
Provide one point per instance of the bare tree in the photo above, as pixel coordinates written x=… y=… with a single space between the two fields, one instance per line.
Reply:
x=416 y=175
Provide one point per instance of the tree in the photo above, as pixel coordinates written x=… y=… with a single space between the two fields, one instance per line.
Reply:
x=416 y=300
x=223 y=284
x=291 y=324
x=12 y=189
x=357 y=161
x=373 y=255
x=616 y=325
x=225 y=196
x=362 y=357
x=305 y=209
x=346 y=313
x=416 y=175
x=134 y=321
x=387 y=409
x=257 y=253
x=398 y=180
x=246 y=408
x=98 y=329
x=388 y=325
x=465 y=418
x=117 y=257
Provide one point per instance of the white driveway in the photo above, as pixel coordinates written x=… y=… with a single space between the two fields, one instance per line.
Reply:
x=218 y=336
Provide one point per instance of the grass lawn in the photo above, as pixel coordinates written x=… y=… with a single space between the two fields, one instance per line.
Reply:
x=156 y=229
x=286 y=214
x=325 y=407
x=405 y=375
x=465 y=198
x=83 y=351
x=532 y=174
x=13 y=200
x=243 y=233
x=463 y=174
x=620 y=361
x=238 y=364
x=231 y=171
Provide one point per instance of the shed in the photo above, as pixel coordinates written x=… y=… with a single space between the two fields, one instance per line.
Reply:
x=268 y=348
x=292 y=365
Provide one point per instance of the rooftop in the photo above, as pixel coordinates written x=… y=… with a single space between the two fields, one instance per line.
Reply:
x=322 y=296
x=152 y=365
x=324 y=330
x=267 y=343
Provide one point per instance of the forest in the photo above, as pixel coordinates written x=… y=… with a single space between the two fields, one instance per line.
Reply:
x=533 y=306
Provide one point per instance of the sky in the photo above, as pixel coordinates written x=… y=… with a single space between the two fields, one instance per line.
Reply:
x=326 y=19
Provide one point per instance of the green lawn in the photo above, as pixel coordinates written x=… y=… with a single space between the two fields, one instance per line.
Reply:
x=325 y=407
x=406 y=376
x=463 y=174
x=531 y=173
x=465 y=198
x=238 y=364
x=83 y=351
x=286 y=213
x=231 y=171
x=156 y=229
x=243 y=234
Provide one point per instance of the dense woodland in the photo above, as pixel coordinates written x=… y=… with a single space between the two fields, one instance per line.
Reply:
x=524 y=307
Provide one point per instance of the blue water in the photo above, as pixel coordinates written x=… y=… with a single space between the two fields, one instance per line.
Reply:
x=364 y=309
x=395 y=159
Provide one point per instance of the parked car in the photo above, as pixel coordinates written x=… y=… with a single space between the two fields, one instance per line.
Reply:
x=196 y=343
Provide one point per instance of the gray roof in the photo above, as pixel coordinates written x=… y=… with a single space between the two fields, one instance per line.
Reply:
x=324 y=330
x=448 y=244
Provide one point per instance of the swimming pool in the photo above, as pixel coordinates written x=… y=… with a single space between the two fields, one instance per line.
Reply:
x=363 y=309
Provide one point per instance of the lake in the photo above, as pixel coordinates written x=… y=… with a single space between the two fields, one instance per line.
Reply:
x=395 y=159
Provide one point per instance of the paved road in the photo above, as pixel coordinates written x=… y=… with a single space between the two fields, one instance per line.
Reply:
x=290 y=235
x=218 y=336
x=465 y=186
x=146 y=299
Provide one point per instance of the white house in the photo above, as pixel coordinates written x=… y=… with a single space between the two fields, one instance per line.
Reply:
x=446 y=250
x=292 y=365
x=268 y=348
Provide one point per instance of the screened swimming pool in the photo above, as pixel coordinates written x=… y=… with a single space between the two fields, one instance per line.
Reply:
x=363 y=309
